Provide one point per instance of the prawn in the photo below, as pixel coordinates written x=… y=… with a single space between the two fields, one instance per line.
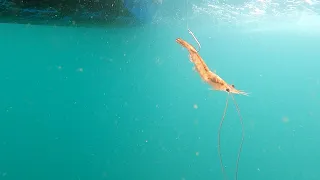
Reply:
x=218 y=84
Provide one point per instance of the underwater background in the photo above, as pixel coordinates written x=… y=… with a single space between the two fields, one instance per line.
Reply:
x=123 y=102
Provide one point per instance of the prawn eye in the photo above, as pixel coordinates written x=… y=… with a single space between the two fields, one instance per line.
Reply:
x=228 y=90
x=232 y=85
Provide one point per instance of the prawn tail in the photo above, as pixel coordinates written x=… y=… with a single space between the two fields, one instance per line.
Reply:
x=186 y=45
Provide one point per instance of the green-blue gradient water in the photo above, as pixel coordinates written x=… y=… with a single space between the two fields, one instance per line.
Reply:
x=119 y=103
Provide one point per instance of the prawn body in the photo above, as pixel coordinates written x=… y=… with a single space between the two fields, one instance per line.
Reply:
x=205 y=73
x=217 y=83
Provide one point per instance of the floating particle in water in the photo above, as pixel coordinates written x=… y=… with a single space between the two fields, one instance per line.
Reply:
x=195 y=106
x=104 y=174
x=197 y=153
x=9 y=108
x=285 y=119
x=80 y=69
x=264 y=150
x=158 y=61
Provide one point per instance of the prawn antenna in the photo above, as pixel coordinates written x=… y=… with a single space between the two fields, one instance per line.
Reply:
x=194 y=37
x=242 y=137
x=219 y=133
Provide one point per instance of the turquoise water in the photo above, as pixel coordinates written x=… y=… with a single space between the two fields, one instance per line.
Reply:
x=119 y=102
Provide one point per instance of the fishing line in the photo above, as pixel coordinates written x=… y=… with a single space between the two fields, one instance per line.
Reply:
x=187 y=17
x=219 y=134
x=242 y=137
x=190 y=32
